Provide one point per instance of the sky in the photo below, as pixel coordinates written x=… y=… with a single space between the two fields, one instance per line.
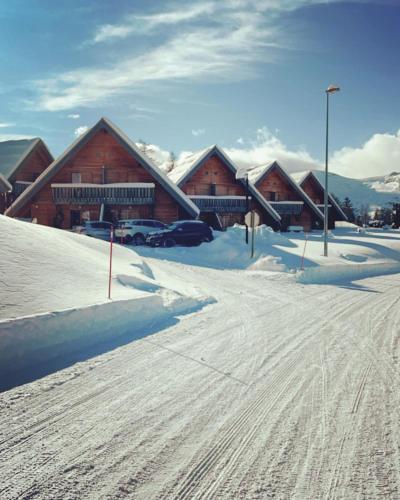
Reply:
x=249 y=75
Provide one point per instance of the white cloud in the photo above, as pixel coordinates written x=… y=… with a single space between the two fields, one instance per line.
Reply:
x=226 y=40
x=5 y=125
x=198 y=131
x=80 y=130
x=267 y=147
x=74 y=116
x=14 y=137
x=142 y=23
x=379 y=155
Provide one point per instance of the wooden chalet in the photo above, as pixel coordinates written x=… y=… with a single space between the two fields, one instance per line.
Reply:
x=102 y=176
x=209 y=180
x=310 y=183
x=21 y=163
x=287 y=198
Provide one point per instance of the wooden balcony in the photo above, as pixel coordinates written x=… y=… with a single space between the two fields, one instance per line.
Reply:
x=287 y=207
x=109 y=194
x=220 y=204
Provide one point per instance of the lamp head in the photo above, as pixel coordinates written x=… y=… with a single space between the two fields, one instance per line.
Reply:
x=332 y=88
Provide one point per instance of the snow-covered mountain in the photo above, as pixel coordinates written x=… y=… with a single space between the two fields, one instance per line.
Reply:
x=376 y=191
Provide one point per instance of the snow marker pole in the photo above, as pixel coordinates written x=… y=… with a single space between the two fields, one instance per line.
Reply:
x=304 y=253
x=110 y=266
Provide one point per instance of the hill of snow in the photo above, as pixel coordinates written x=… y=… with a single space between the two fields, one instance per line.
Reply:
x=376 y=192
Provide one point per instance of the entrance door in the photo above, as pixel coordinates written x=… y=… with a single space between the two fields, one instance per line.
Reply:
x=75 y=218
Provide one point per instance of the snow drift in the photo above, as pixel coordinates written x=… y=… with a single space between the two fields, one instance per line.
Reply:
x=53 y=298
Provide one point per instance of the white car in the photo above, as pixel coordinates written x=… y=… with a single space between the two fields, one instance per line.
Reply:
x=135 y=230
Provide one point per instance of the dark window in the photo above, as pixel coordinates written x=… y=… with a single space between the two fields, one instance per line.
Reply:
x=213 y=189
x=272 y=196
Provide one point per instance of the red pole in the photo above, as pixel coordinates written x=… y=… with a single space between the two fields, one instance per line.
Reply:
x=110 y=267
x=304 y=252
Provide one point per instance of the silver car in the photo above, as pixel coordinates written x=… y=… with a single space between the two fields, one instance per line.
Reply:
x=96 y=229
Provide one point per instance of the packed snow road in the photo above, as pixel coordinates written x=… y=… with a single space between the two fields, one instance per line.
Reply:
x=279 y=390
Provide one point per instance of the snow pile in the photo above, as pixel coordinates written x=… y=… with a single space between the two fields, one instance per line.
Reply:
x=54 y=290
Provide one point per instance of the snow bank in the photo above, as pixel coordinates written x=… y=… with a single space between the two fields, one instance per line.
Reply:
x=53 y=298
x=229 y=250
x=35 y=339
x=345 y=273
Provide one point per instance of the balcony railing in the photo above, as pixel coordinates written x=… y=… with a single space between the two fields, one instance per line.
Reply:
x=97 y=194
x=220 y=204
x=288 y=207
x=19 y=187
x=321 y=206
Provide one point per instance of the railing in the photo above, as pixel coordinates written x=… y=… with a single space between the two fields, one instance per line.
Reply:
x=97 y=194
x=321 y=206
x=220 y=204
x=19 y=187
x=287 y=207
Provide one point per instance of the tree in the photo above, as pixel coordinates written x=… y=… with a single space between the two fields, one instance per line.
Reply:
x=348 y=209
x=171 y=162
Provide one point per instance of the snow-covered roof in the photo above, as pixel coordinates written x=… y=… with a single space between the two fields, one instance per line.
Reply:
x=5 y=186
x=13 y=154
x=301 y=177
x=186 y=164
x=129 y=145
x=259 y=172
x=256 y=173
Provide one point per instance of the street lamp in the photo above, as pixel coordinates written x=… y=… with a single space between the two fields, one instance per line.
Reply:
x=244 y=175
x=330 y=90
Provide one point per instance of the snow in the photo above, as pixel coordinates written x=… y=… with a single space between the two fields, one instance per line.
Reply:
x=185 y=163
x=278 y=390
x=54 y=292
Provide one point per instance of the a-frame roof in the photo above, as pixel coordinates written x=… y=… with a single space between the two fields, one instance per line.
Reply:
x=13 y=155
x=5 y=186
x=263 y=170
x=302 y=178
x=189 y=168
x=127 y=144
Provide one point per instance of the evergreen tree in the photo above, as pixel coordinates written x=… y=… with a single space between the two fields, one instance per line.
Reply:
x=348 y=209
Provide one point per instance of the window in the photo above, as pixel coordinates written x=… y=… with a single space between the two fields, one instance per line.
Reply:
x=272 y=196
x=213 y=189
x=76 y=178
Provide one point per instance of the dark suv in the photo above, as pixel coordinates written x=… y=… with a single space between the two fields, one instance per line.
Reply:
x=191 y=232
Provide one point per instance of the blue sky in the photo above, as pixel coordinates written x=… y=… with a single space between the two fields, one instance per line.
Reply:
x=246 y=74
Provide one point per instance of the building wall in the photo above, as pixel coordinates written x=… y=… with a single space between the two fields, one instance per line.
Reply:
x=313 y=190
x=35 y=163
x=275 y=183
x=215 y=172
x=102 y=158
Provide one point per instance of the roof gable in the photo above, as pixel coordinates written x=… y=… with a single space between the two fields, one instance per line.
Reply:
x=310 y=175
x=127 y=144
x=275 y=166
x=14 y=153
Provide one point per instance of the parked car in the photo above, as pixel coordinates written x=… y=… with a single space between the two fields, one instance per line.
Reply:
x=136 y=230
x=191 y=232
x=96 y=229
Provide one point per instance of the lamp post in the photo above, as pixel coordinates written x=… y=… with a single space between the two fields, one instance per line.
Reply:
x=330 y=90
x=244 y=175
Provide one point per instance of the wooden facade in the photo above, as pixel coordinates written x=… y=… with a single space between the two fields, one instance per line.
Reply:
x=212 y=185
x=292 y=204
x=315 y=190
x=102 y=173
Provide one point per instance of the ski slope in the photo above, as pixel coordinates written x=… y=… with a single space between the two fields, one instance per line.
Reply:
x=277 y=390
